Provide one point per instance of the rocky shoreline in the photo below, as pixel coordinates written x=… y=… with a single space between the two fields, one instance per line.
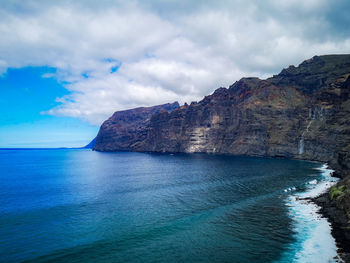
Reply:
x=334 y=205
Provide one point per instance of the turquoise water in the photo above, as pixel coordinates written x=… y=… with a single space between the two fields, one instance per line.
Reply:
x=86 y=206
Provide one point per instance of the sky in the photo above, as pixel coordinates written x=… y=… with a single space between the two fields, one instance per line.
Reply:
x=66 y=66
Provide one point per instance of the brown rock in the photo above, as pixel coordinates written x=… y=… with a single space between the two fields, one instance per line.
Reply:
x=124 y=130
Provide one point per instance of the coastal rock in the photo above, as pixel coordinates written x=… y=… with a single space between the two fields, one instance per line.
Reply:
x=335 y=205
x=124 y=130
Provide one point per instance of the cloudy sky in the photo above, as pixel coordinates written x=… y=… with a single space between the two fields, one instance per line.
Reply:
x=65 y=66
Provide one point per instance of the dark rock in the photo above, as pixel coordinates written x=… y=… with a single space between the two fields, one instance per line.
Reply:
x=91 y=145
x=337 y=211
x=303 y=113
x=300 y=113
x=124 y=130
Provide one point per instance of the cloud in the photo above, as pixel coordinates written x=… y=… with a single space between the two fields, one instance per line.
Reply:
x=114 y=55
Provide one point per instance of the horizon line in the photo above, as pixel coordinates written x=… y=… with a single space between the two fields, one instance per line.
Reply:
x=40 y=148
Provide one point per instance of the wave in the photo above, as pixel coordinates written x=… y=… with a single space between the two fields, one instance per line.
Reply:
x=312 y=232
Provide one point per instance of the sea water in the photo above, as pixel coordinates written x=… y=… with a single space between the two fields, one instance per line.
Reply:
x=314 y=242
x=83 y=206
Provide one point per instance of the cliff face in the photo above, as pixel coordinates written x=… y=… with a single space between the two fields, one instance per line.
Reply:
x=303 y=112
x=124 y=130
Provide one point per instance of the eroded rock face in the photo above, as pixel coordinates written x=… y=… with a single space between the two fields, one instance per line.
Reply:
x=303 y=112
x=125 y=130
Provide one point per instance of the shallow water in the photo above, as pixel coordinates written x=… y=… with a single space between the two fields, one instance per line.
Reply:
x=85 y=206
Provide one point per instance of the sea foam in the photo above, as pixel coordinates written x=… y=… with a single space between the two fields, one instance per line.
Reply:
x=314 y=242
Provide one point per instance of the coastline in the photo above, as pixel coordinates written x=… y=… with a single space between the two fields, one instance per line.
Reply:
x=337 y=217
x=313 y=232
x=301 y=113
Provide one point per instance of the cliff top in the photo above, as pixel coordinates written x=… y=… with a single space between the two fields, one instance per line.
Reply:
x=313 y=74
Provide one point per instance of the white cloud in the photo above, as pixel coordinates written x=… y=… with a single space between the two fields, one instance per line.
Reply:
x=165 y=50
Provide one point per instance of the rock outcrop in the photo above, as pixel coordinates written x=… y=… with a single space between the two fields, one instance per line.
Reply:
x=125 y=130
x=335 y=205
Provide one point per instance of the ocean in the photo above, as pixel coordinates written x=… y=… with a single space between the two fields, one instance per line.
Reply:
x=77 y=205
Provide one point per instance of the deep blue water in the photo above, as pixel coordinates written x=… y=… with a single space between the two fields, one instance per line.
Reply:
x=84 y=206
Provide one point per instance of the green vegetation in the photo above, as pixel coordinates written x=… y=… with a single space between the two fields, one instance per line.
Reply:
x=338 y=193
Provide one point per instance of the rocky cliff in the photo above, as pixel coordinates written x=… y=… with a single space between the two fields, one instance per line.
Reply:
x=125 y=130
x=303 y=113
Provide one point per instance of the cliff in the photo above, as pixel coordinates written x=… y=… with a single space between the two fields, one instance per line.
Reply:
x=125 y=130
x=303 y=113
